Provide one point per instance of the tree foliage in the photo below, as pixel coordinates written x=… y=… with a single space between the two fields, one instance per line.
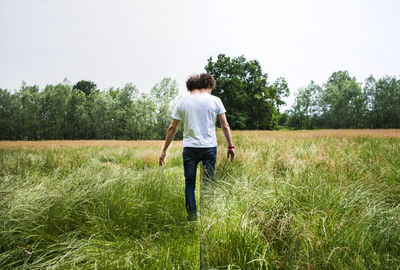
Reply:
x=251 y=102
x=86 y=87
x=81 y=111
x=342 y=102
x=306 y=109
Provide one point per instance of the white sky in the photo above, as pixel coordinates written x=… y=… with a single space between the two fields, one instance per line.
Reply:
x=115 y=42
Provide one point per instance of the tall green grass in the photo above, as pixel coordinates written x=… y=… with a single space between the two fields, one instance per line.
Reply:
x=89 y=208
x=322 y=203
x=286 y=203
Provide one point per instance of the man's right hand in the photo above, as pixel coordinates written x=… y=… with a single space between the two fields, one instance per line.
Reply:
x=161 y=159
x=231 y=152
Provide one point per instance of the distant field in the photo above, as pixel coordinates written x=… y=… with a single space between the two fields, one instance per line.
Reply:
x=339 y=133
x=324 y=199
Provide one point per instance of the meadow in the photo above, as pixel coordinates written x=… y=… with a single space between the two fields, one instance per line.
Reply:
x=325 y=199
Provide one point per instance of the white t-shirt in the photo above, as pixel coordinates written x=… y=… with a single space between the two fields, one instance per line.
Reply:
x=198 y=112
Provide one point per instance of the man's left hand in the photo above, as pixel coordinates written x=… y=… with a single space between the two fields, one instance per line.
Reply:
x=231 y=152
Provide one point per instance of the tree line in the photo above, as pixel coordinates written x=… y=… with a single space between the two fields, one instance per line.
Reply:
x=81 y=111
x=252 y=102
x=342 y=102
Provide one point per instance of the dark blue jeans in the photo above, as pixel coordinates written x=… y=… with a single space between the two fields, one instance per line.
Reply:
x=191 y=158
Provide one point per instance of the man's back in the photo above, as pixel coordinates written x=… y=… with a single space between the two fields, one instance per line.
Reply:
x=198 y=113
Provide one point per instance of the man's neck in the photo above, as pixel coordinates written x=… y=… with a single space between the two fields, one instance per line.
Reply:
x=195 y=91
x=200 y=91
x=206 y=90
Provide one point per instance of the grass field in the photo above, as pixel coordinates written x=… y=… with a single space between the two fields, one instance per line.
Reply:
x=326 y=199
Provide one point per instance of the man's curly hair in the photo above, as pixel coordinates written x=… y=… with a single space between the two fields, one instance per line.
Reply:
x=193 y=82
x=206 y=81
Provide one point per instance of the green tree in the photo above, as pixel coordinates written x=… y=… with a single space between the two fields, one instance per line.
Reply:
x=282 y=90
x=126 y=102
x=283 y=118
x=76 y=115
x=123 y=117
x=342 y=101
x=166 y=90
x=6 y=115
x=242 y=86
x=369 y=92
x=145 y=117
x=306 y=108
x=383 y=101
x=103 y=105
x=54 y=101
x=163 y=94
x=86 y=87
x=29 y=119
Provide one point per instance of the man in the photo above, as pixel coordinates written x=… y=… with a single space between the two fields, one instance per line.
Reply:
x=198 y=112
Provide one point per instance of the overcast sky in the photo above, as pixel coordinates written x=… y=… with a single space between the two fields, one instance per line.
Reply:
x=115 y=42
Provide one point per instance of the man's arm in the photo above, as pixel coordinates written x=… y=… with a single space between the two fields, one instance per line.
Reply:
x=227 y=133
x=173 y=127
